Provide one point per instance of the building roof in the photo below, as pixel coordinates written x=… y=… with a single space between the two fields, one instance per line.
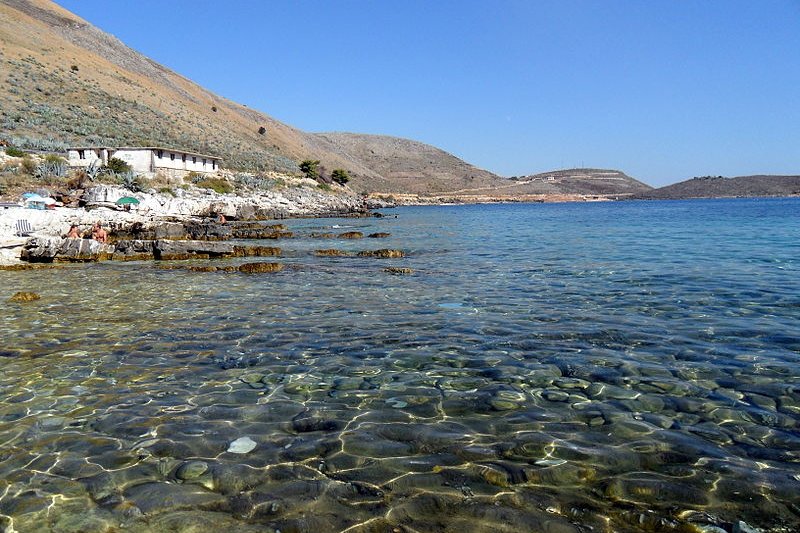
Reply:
x=117 y=148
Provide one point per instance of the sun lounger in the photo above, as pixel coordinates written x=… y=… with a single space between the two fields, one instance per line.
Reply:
x=8 y=205
x=24 y=228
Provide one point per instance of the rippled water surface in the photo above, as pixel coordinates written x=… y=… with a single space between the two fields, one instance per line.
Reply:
x=557 y=368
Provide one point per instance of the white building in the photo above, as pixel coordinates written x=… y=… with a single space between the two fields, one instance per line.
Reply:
x=148 y=160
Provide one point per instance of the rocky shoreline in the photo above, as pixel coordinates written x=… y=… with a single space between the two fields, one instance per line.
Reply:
x=164 y=226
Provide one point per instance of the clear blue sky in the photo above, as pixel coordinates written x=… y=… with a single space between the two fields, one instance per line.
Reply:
x=662 y=89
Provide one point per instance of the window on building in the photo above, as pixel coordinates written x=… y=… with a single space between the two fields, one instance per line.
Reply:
x=204 y=162
x=194 y=160
x=213 y=165
x=183 y=158
x=172 y=157
x=81 y=154
x=160 y=154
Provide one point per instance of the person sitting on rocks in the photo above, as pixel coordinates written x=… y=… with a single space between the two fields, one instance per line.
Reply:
x=221 y=219
x=73 y=232
x=98 y=233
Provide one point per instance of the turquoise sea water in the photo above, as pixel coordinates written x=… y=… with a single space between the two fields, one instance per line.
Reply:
x=609 y=367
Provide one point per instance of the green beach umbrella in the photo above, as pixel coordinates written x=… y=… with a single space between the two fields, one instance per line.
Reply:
x=127 y=200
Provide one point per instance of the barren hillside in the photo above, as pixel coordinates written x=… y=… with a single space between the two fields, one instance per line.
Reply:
x=720 y=187
x=581 y=181
x=64 y=80
x=411 y=166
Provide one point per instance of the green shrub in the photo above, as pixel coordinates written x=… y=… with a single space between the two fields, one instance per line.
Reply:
x=324 y=187
x=193 y=177
x=55 y=159
x=28 y=165
x=117 y=166
x=340 y=176
x=14 y=152
x=217 y=185
x=166 y=190
x=310 y=168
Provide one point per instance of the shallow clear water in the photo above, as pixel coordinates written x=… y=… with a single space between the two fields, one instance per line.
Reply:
x=549 y=367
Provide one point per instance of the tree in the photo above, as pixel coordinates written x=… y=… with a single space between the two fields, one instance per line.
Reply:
x=340 y=176
x=310 y=168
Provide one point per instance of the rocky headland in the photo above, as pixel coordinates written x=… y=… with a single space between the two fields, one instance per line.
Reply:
x=183 y=224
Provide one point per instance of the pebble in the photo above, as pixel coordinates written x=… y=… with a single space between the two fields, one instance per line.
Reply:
x=242 y=445
x=555 y=395
x=191 y=470
x=743 y=527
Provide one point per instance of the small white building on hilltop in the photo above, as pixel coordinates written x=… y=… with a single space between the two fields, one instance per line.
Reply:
x=145 y=160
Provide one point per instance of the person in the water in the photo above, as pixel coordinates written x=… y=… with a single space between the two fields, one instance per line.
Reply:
x=73 y=232
x=98 y=233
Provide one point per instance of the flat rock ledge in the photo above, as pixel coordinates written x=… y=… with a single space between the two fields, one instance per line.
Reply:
x=59 y=250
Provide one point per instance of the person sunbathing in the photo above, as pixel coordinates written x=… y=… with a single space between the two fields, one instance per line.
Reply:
x=73 y=232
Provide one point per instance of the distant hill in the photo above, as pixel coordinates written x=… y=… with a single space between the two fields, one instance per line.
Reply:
x=720 y=187
x=411 y=166
x=586 y=181
x=575 y=182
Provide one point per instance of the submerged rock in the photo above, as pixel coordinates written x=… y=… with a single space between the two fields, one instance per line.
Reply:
x=208 y=268
x=174 y=250
x=256 y=251
x=330 y=253
x=399 y=270
x=258 y=268
x=24 y=296
x=265 y=233
x=191 y=470
x=351 y=235
x=379 y=235
x=382 y=253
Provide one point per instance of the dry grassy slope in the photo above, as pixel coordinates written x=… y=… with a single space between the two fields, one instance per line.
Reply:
x=120 y=97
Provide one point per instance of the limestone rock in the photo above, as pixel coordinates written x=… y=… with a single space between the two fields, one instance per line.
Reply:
x=133 y=250
x=399 y=270
x=104 y=195
x=173 y=250
x=351 y=235
x=330 y=253
x=379 y=235
x=209 y=231
x=49 y=249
